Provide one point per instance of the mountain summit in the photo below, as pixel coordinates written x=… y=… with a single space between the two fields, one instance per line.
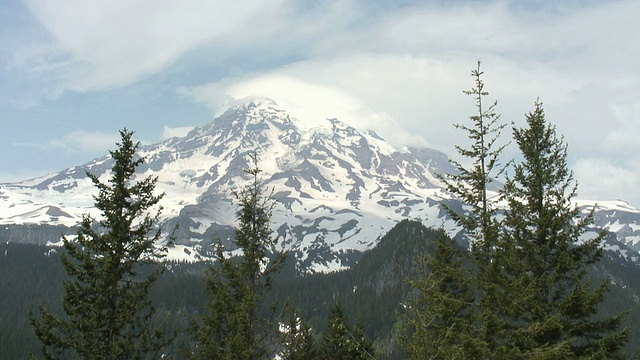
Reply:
x=338 y=189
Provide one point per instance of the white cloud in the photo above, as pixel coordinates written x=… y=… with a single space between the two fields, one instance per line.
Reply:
x=310 y=103
x=11 y=177
x=624 y=128
x=79 y=141
x=352 y=59
x=422 y=94
x=105 y=44
x=170 y=132
x=601 y=179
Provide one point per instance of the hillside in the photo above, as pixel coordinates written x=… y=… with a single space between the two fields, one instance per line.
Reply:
x=372 y=291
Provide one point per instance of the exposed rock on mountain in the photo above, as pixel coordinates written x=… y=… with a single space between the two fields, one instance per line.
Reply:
x=338 y=188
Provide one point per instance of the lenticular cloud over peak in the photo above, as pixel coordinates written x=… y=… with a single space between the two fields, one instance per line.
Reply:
x=310 y=103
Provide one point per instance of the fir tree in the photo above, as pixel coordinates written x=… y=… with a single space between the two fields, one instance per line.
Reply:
x=554 y=307
x=296 y=338
x=233 y=327
x=341 y=342
x=478 y=219
x=471 y=185
x=106 y=301
x=436 y=317
x=362 y=348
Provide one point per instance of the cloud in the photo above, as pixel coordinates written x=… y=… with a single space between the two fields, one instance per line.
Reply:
x=12 y=177
x=625 y=121
x=105 y=44
x=422 y=94
x=310 y=103
x=380 y=64
x=79 y=141
x=601 y=179
x=170 y=132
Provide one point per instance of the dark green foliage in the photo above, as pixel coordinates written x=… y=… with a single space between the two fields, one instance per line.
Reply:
x=471 y=185
x=556 y=308
x=526 y=283
x=435 y=324
x=28 y=273
x=478 y=219
x=335 y=339
x=233 y=326
x=40 y=234
x=296 y=338
x=372 y=291
x=29 y=276
x=106 y=300
x=343 y=342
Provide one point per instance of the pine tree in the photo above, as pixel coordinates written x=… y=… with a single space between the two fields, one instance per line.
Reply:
x=479 y=221
x=362 y=348
x=342 y=342
x=233 y=327
x=296 y=338
x=106 y=301
x=554 y=304
x=436 y=322
x=471 y=185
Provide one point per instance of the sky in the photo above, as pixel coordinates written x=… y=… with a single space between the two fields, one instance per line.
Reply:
x=74 y=72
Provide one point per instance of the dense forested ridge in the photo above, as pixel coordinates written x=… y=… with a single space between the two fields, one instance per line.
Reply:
x=371 y=292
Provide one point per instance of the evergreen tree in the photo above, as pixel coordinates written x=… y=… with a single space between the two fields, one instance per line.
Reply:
x=554 y=305
x=296 y=338
x=435 y=321
x=106 y=301
x=478 y=219
x=233 y=327
x=341 y=342
x=471 y=185
x=362 y=346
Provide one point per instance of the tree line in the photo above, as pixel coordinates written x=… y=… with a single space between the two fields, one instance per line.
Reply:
x=112 y=264
x=521 y=291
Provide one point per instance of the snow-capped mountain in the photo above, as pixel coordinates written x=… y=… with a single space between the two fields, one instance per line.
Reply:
x=338 y=189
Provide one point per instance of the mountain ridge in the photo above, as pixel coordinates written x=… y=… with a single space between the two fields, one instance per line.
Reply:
x=337 y=188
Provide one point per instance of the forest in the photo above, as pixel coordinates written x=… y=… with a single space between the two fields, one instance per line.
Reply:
x=33 y=274
x=529 y=285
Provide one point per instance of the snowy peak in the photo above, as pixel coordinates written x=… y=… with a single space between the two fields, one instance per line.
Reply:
x=338 y=189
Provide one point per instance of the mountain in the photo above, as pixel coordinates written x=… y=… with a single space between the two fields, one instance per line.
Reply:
x=372 y=291
x=337 y=189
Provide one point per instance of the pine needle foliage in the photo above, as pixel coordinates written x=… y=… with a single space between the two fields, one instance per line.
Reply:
x=108 y=314
x=296 y=338
x=471 y=185
x=233 y=326
x=343 y=342
x=555 y=306
x=435 y=320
